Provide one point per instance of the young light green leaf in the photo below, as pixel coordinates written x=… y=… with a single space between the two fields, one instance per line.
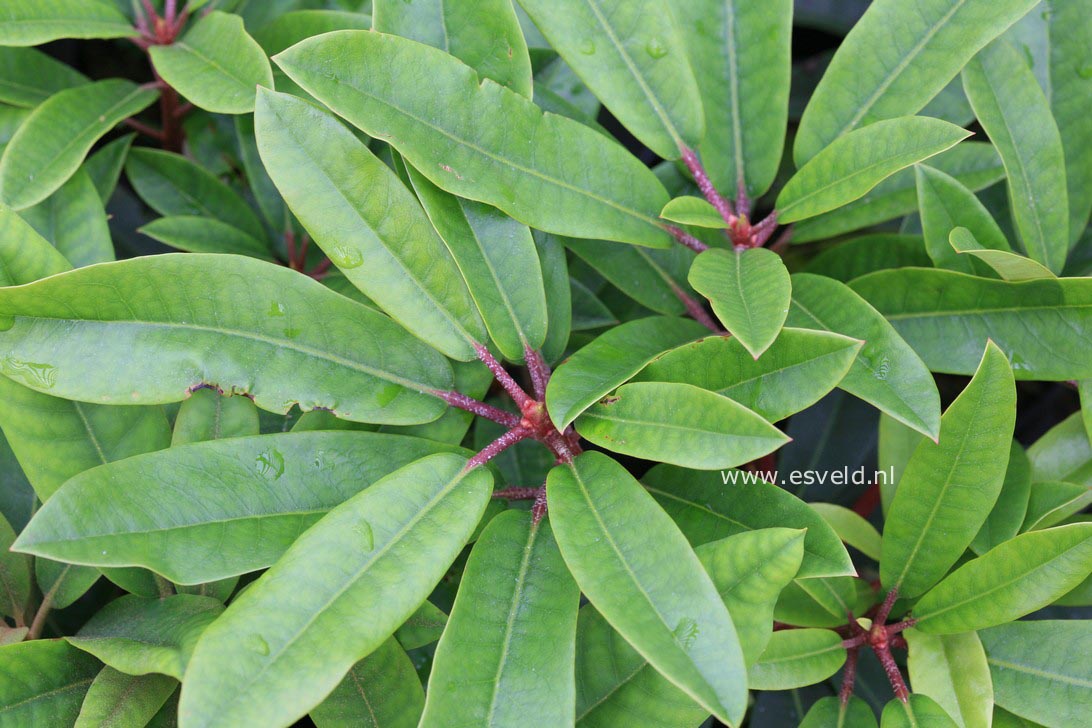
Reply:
x=340 y=591
x=315 y=347
x=215 y=65
x=1010 y=266
x=195 y=234
x=793 y=374
x=947 y=317
x=680 y=424
x=495 y=666
x=797 y=657
x=1040 y=670
x=484 y=35
x=381 y=690
x=1008 y=512
x=280 y=485
x=740 y=55
x=689 y=210
x=74 y=221
x=851 y=527
x=31 y=22
x=43 y=682
x=949 y=487
x=895 y=60
x=478 y=153
x=750 y=291
x=210 y=415
x=706 y=508
x=952 y=670
x=831 y=713
x=634 y=58
x=612 y=358
x=117 y=700
x=1051 y=503
x=51 y=144
x=857 y=162
x=1063 y=453
x=603 y=519
x=358 y=210
x=1012 y=109
x=946 y=204
x=1016 y=578
x=1070 y=32
x=28 y=77
x=887 y=373
x=920 y=711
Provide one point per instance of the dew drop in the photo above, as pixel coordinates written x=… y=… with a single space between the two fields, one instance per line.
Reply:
x=587 y=47
x=344 y=257
x=270 y=464
x=364 y=530
x=38 y=376
x=686 y=631
x=292 y=333
x=1085 y=71
x=656 y=48
x=259 y=645
x=276 y=309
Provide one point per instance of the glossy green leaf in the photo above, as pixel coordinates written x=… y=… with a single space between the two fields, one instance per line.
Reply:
x=740 y=55
x=896 y=445
x=851 y=527
x=358 y=210
x=830 y=713
x=43 y=682
x=104 y=166
x=1008 y=512
x=634 y=58
x=484 y=35
x=834 y=595
x=857 y=162
x=334 y=596
x=117 y=700
x=216 y=65
x=612 y=358
x=1070 y=30
x=887 y=373
x=750 y=292
x=380 y=691
x=946 y=204
x=32 y=22
x=679 y=623
x=314 y=346
x=74 y=221
x=1016 y=578
x=52 y=143
x=947 y=317
x=209 y=415
x=497 y=664
x=708 y=509
x=920 y=711
x=1016 y=115
x=174 y=185
x=568 y=183
x=555 y=281
x=281 y=484
x=1084 y=390
x=1040 y=670
x=680 y=424
x=498 y=260
x=1051 y=503
x=949 y=487
x=287 y=29
x=1063 y=453
x=952 y=670
x=63 y=584
x=588 y=311
x=649 y=277
x=794 y=373
x=895 y=60
x=1010 y=266
x=797 y=657
x=690 y=210
x=195 y=234
x=424 y=626
x=14 y=576
x=28 y=77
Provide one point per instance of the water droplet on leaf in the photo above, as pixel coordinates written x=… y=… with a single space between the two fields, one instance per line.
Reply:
x=587 y=47
x=39 y=376
x=1085 y=71
x=345 y=257
x=656 y=48
x=364 y=530
x=270 y=464
x=276 y=309
x=259 y=645
x=686 y=632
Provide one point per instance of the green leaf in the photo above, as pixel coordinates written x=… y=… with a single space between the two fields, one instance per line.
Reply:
x=649 y=277
x=340 y=591
x=358 y=210
x=215 y=65
x=1063 y=453
x=679 y=424
x=947 y=317
x=1070 y=33
x=750 y=292
x=854 y=164
x=104 y=166
x=63 y=583
x=836 y=596
x=32 y=22
x=660 y=600
x=897 y=58
x=830 y=713
x=139 y=636
x=555 y=281
x=484 y=35
x=280 y=485
x=42 y=682
x=797 y=657
x=297 y=342
x=209 y=415
x=946 y=204
x=74 y=221
x=887 y=373
x=117 y=700
x=1008 y=512
x=28 y=77
x=952 y=670
x=1016 y=578
x=896 y=445
x=794 y=373
x=1016 y=115
x=634 y=58
x=920 y=711
x=174 y=185
x=424 y=626
x=498 y=260
x=1040 y=670
x=287 y=29
x=706 y=508
x=851 y=527
x=1010 y=266
x=479 y=153
x=53 y=141
x=949 y=487
x=509 y=643
x=195 y=234
x=740 y=55
x=1051 y=503
x=974 y=164
x=588 y=311
x=381 y=690
x=14 y=576
x=696 y=211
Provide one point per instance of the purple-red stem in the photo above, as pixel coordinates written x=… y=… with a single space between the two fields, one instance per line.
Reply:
x=849 y=676
x=723 y=206
x=686 y=239
x=517 y=493
x=521 y=398
x=488 y=411
x=539 y=370
x=695 y=309
x=495 y=448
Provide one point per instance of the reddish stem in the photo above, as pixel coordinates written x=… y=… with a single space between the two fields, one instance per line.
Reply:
x=868 y=501
x=171 y=11
x=761 y=232
x=521 y=398
x=686 y=239
x=885 y=609
x=463 y=402
x=695 y=309
x=538 y=510
x=539 y=371
x=498 y=446
x=517 y=493
x=319 y=271
x=145 y=129
x=301 y=259
x=743 y=202
x=706 y=186
x=780 y=244
x=290 y=247
x=849 y=676
x=172 y=128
